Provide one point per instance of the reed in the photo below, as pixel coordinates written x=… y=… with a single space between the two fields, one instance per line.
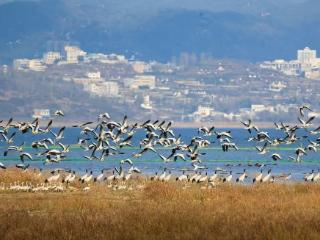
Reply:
x=165 y=211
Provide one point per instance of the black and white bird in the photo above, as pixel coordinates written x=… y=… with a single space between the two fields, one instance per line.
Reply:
x=242 y=177
x=228 y=178
x=59 y=113
x=302 y=109
x=2 y=166
x=249 y=126
x=276 y=157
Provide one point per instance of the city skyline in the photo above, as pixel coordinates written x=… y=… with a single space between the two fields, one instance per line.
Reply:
x=148 y=86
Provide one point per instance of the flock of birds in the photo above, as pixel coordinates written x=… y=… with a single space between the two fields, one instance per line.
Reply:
x=104 y=138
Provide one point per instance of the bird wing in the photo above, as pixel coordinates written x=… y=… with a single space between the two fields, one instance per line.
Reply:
x=310 y=119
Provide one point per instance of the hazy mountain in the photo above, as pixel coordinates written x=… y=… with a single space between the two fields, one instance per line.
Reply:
x=245 y=29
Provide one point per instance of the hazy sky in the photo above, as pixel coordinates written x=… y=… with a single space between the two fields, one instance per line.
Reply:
x=241 y=25
x=193 y=4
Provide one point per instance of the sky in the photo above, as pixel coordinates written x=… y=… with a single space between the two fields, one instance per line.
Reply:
x=199 y=25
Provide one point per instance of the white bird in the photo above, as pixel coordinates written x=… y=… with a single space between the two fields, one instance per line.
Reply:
x=249 y=126
x=65 y=148
x=288 y=177
x=242 y=177
x=72 y=178
x=100 y=177
x=127 y=176
x=25 y=154
x=196 y=179
x=258 y=177
x=228 y=178
x=84 y=176
x=59 y=135
x=53 y=178
x=309 y=177
x=164 y=159
x=316 y=177
x=59 y=113
x=267 y=177
x=167 y=177
x=111 y=177
x=67 y=177
x=120 y=172
x=213 y=177
x=133 y=169
x=129 y=161
x=262 y=150
x=203 y=178
x=276 y=157
x=162 y=176
x=88 y=178
x=307 y=123
x=2 y=166
x=302 y=108
x=198 y=167
x=104 y=115
x=193 y=177
x=206 y=131
x=182 y=177
x=155 y=177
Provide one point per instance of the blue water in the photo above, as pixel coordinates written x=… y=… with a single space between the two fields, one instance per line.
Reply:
x=150 y=162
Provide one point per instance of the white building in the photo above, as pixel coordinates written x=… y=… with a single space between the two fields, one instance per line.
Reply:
x=203 y=111
x=36 y=65
x=306 y=56
x=291 y=68
x=21 y=64
x=258 y=108
x=140 y=67
x=5 y=69
x=29 y=64
x=41 y=113
x=313 y=73
x=73 y=54
x=51 y=57
x=307 y=63
x=104 y=89
x=277 y=86
x=94 y=75
x=107 y=59
x=146 y=103
x=141 y=81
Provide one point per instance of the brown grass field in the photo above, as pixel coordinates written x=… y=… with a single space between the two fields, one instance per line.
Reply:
x=162 y=211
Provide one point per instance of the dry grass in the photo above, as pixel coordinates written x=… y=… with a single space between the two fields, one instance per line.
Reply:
x=165 y=211
x=12 y=175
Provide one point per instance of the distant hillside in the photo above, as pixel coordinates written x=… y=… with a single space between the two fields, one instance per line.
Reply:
x=234 y=29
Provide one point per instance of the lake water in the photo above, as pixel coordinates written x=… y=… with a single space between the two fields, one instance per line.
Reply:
x=150 y=162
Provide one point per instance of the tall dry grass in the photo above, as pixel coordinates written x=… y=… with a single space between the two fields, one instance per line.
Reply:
x=165 y=211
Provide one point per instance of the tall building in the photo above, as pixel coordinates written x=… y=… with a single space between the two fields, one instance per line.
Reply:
x=307 y=56
x=51 y=57
x=73 y=54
